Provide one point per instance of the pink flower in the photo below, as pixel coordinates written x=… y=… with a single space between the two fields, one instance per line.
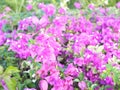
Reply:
x=2 y=38
x=44 y=21
x=91 y=6
x=48 y=9
x=71 y=70
x=29 y=7
x=43 y=85
x=61 y=11
x=77 y=5
x=29 y=89
x=118 y=5
x=79 y=61
x=8 y=9
x=41 y=5
x=2 y=82
x=82 y=85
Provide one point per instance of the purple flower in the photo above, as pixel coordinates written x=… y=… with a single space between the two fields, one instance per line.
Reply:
x=61 y=11
x=118 y=5
x=4 y=84
x=8 y=9
x=82 y=85
x=71 y=70
x=29 y=89
x=48 y=9
x=79 y=61
x=77 y=5
x=91 y=6
x=29 y=7
x=43 y=85
x=44 y=21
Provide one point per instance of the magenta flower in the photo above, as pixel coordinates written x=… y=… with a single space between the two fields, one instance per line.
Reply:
x=44 y=21
x=77 y=5
x=71 y=70
x=43 y=85
x=91 y=6
x=8 y=9
x=41 y=5
x=29 y=89
x=118 y=5
x=61 y=11
x=79 y=61
x=21 y=46
x=82 y=85
x=48 y=9
x=29 y=7
x=2 y=38
x=2 y=82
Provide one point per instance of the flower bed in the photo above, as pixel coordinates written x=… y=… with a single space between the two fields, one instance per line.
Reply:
x=61 y=49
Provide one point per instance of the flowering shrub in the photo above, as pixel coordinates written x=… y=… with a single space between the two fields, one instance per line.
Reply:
x=60 y=49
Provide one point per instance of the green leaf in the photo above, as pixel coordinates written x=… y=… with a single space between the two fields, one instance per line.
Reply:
x=31 y=85
x=37 y=65
x=76 y=88
x=31 y=41
x=81 y=76
x=1 y=88
x=99 y=49
x=10 y=70
x=30 y=29
x=6 y=28
x=27 y=81
x=89 y=83
x=93 y=86
x=20 y=86
x=1 y=69
x=109 y=67
x=107 y=87
x=104 y=75
x=31 y=72
x=10 y=82
x=76 y=80
x=116 y=76
x=82 y=52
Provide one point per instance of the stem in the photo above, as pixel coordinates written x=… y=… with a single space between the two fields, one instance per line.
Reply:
x=22 y=3
x=16 y=6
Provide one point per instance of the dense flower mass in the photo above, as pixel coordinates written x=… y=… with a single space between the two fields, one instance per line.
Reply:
x=63 y=51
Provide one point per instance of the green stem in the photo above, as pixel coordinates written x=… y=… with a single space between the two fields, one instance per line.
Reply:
x=16 y=6
x=22 y=3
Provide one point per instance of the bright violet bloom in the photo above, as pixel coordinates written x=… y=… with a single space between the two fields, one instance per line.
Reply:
x=77 y=5
x=44 y=21
x=29 y=89
x=71 y=70
x=8 y=9
x=91 y=6
x=63 y=46
x=61 y=11
x=29 y=7
x=82 y=85
x=43 y=85
x=118 y=5
x=2 y=82
x=2 y=38
x=48 y=9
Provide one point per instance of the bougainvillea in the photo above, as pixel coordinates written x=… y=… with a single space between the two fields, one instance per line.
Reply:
x=62 y=51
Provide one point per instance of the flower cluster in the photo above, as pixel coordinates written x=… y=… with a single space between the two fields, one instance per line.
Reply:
x=75 y=52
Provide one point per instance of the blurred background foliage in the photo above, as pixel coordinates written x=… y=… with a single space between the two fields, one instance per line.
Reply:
x=19 y=5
